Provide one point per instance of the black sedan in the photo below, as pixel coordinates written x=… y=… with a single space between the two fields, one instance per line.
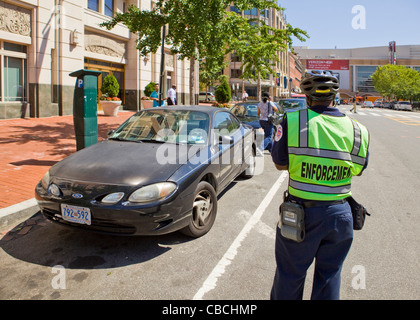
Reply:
x=159 y=172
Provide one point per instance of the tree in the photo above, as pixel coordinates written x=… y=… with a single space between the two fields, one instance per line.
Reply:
x=397 y=82
x=257 y=45
x=210 y=72
x=194 y=29
x=203 y=30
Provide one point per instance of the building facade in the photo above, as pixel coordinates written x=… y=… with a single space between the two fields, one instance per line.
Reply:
x=296 y=70
x=354 y=67
x=276 y=85
x=41 y=42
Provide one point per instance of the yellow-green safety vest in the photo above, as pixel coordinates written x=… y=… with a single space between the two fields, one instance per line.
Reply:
x=325 y=152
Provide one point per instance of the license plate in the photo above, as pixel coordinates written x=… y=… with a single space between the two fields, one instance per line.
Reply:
x=76 y=214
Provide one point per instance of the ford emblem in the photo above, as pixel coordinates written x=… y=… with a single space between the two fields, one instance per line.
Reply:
x=77 y=195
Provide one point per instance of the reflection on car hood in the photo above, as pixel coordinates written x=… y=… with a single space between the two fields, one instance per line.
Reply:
x=122 y=163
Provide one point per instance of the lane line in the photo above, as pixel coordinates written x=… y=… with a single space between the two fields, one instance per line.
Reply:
x=211 y=281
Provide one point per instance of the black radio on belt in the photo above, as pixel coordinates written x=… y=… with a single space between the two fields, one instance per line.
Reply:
x=292 y=221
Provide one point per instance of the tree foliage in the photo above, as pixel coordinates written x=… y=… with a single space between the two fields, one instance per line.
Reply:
x=206 y=31
x=397 y=82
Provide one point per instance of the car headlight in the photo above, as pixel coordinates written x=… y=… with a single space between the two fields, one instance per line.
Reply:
x=113 y=197
x=45 y=181
x=153 y=192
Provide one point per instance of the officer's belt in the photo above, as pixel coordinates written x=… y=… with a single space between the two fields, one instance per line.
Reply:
x=314 y=203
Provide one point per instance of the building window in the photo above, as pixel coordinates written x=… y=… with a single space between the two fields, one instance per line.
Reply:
x=235 y=73
x=252 y=12
x=93 y=5
x=13 y=60
x=109 y=8
x=364 y=82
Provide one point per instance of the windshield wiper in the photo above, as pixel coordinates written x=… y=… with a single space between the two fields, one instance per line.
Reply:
x=122 y=139
x=118 y=139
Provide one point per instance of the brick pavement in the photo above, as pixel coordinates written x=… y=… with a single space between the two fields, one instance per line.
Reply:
x=29 y=147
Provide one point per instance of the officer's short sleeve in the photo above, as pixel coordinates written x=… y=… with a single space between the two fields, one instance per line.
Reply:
x=279 y=151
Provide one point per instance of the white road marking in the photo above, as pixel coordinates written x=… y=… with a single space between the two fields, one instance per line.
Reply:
x=211 y=281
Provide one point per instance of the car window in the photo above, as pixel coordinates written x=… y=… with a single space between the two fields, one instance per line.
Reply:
x=225 y=124
x=177 y=126
x=292 y=104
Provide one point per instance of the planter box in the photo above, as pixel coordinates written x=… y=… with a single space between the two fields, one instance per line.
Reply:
x=147 y=104
x=110 y=108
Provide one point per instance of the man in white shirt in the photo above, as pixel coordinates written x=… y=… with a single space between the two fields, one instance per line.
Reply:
x=244 y=96
x=172 y=96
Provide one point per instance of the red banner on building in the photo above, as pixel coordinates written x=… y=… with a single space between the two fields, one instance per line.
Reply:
x=319 y=64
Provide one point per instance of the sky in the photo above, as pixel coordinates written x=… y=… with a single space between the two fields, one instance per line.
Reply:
x=332 y=24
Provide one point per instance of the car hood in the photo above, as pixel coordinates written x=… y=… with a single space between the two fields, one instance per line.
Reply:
x=121 y=163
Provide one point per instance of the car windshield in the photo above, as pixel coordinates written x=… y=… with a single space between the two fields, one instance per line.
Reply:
x=292 y=103
x=252 y=110
x=162 y=125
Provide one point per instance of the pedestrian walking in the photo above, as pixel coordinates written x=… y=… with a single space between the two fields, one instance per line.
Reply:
x=172 y=96
x=322 y=149
x=265 y=111
x=354 y=105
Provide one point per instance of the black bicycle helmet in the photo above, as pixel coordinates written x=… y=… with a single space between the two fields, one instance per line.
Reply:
x=319 y=85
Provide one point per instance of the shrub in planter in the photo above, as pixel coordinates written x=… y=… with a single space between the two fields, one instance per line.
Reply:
x=109 y=101
x=222 y=92
x=110 y=86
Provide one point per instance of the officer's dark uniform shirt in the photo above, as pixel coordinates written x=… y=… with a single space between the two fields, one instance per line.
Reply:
x=279 y=152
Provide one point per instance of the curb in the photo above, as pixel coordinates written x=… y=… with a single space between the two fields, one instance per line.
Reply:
x=17 y=213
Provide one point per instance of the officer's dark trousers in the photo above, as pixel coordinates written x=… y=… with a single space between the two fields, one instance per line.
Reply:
x=329 y=234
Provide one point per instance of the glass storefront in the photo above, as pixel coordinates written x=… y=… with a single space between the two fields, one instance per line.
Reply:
x=364 y=82
x=14 y=68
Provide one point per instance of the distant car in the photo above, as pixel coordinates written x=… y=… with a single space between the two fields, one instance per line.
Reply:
x=203 y=97
x=389 y=105
x=159 y=172
x=246 y=112
x=368 y=104
x=378 y=104
x=403 y=105
x=292 y=104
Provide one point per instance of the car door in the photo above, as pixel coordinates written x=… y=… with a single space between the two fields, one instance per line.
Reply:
x=229 y=138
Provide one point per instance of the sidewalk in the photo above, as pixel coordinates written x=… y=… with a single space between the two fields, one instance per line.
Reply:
x=28 y=148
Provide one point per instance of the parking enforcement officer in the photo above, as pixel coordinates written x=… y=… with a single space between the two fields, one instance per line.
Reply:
x=322 y=149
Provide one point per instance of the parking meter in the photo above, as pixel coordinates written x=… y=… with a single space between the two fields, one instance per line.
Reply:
x=85 y=107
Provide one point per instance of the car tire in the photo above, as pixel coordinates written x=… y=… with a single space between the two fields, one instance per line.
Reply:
x=203 y=212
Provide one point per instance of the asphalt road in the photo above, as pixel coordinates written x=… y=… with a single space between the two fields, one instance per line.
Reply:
x=235 y=260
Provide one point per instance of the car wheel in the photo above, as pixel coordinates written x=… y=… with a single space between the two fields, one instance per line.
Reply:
x=203 y=212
